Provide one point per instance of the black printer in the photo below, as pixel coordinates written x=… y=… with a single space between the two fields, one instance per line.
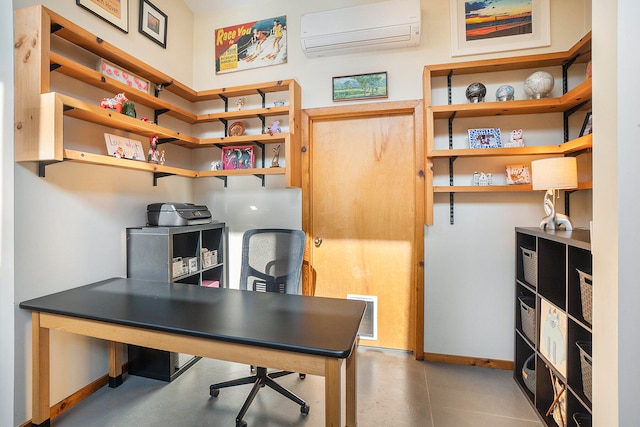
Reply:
x=177 y=214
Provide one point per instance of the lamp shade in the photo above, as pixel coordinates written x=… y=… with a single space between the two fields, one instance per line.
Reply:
x=556 y=173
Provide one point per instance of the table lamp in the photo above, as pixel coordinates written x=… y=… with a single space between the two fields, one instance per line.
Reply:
x=553 y=174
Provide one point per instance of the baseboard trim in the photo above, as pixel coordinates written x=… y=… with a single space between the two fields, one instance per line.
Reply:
x=77 y=397
x=506 y=365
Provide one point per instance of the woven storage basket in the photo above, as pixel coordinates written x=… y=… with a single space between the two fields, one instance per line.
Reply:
x=582 y=420
x=530 y=266
x=528 y=317
x=529 y=373
x=585 y=365
x=586 y=291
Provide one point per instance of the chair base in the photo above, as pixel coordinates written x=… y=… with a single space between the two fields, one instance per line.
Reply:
x=259 y=380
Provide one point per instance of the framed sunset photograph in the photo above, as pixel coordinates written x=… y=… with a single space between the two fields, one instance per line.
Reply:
x=498 y=25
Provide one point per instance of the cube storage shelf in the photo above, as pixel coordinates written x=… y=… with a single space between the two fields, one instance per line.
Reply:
x=40 y=112
x=150 y=251
x=559 y=257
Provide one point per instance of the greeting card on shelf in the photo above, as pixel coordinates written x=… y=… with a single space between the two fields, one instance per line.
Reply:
x=124 y=148
x=517 y=174
x=485 y=138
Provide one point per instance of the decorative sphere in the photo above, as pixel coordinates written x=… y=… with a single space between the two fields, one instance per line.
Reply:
x=505 y=93
x=475 y=92
x=539 y=84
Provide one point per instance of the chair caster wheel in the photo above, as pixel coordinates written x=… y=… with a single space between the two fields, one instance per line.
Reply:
x=214 y=392
x=304 y=409
x=241 y=423
x=303 y=376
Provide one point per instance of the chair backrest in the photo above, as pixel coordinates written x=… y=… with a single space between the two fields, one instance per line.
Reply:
x=272 y=260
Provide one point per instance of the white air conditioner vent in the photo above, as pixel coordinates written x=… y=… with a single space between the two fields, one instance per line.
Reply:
x=382 y=25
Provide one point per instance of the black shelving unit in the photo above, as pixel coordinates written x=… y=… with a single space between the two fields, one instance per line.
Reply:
x=558 y=256
x=150 y=251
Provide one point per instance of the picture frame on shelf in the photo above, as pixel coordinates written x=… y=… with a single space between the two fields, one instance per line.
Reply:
x=238 y=157
x=152 y=23
x=360 y=86
x=485 y=138
x=115 y=72
x=587 y=125
x=503 y=26
x=553 y=336
x=115 y=12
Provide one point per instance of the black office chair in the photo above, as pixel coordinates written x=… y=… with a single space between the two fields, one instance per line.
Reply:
x=271 y=262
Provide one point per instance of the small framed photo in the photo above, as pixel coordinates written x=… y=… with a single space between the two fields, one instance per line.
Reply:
x=360 y=86
x=115 y=12
x=517 y=174
x=238 y=157
x=153 y=23
x=587 y=125
x=485 y=138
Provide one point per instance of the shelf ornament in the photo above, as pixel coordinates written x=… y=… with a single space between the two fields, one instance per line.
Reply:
x=539 y=84
x=114 y=103
x=153 y=155
x=505 y=93
x=476 y=92
x=515 y=139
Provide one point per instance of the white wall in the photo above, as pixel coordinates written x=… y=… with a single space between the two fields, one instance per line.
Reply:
x=71 y=224
x=6 y=220
x=616 y=210
x=468 y=311
x=70 y=230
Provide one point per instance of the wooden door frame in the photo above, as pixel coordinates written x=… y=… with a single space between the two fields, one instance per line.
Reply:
x=415 y=108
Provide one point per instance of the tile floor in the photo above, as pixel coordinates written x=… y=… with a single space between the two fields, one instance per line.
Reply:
x=393 y=390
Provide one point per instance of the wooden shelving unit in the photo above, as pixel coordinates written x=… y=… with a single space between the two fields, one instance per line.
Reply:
x=572 y=100
x=40 y=134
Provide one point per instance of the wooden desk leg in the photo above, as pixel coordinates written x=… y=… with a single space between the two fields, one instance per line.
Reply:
x=115 y=364
x=332 y=392
x=352 y=395
x=40 y=370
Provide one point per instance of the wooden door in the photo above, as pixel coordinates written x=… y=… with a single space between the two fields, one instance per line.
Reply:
x=364 y=221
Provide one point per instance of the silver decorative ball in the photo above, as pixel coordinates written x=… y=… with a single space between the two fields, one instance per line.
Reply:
x=476 y=92
x=505 y=93
x=539 y=84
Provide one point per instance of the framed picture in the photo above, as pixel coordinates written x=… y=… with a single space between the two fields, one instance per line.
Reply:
x=499 y=25
x=553 y=335
x=587 y=125
x=153 y=23
x=517 y=174
x=115 y=12
x=251 y=45
x=123 y=76
x=360 y=86
x=238 y=157
x=485 y=138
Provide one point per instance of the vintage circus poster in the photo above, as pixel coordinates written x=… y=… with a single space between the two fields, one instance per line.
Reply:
x=251 y=45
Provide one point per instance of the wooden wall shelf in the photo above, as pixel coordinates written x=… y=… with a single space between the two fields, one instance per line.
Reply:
x=40 y=135
x=572 y=100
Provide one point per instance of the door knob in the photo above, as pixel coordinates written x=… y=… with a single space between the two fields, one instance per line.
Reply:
x=317 y=241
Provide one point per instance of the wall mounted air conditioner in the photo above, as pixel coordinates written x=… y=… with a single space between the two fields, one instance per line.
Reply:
x=382 y=25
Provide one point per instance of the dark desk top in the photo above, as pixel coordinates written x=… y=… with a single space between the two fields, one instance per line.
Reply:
x=312 y=325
